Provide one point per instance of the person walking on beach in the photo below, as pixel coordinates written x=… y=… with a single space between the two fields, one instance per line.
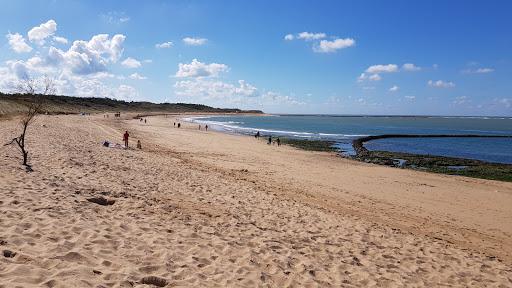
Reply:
x=179 y=125
x=278 y=141
x=257 y=135
x=269 y=140
x=174 y=124
x=199 y=126
x=139 y=145
x=125 y=138
x=206 y=127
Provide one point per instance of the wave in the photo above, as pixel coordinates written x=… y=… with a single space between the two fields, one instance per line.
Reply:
x=230 y=126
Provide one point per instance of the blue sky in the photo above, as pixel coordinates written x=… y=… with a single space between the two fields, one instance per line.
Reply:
x=336 y=57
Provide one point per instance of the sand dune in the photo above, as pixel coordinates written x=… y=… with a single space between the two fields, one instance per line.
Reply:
x=203 y=209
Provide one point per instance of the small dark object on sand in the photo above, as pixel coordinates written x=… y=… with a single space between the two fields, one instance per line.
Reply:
x=153 y=280
x=9 y=254
x=101 y=201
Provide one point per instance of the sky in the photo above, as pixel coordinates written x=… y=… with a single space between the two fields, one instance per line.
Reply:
x=450 y=57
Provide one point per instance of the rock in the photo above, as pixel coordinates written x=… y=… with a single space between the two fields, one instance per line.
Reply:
x=153 y=280
x=102 y=201
x=9 y=254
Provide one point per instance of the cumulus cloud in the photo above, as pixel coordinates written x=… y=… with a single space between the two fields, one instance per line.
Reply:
x=289 y=37
x=17 y=43
x=60 y=40
x=87 y=57
x=137 y=76
x=375 y=77
x=326 y=46
x=323 y=46
x=310 y=36
x=394 y=88
x=410 y=67
x=194 y=41
x=389 y=68
x=167 y=44
x=131 y=63
x=215 y=91
x=440 y=84
x=39 y=33
x=200 y=69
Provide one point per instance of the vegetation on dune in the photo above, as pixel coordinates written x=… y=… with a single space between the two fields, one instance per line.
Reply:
x=15 y=103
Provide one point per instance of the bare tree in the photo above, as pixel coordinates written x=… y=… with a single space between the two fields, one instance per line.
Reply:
x=30 y=87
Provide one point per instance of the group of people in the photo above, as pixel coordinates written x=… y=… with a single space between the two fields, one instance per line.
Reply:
x=140 y=120
x=179 y=124
x=126 y=136
x=269 y=142
x=205 y=127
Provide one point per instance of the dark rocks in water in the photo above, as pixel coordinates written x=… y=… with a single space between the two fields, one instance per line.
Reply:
x=9 y=254
x=153 y=280
x=102 y=201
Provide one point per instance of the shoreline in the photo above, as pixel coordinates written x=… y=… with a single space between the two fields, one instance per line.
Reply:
x=447 y=165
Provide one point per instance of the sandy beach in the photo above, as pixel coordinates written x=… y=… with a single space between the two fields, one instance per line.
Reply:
x=206 y=209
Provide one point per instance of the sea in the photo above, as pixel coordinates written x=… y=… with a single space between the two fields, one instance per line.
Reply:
x=343 y=129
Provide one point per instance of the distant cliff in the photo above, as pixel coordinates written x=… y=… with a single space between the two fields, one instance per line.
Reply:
x=14 y=103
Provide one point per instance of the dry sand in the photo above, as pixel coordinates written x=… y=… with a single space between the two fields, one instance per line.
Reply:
x=205 y=209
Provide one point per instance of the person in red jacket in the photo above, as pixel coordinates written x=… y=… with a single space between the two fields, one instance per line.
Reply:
x=125 y=138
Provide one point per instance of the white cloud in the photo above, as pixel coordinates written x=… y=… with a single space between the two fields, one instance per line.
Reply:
x=60 y=40
x=310 y=36
x=167 y=44
x=410 y=67
x=214 y=91
x=115 y=17
x=39 y=33
x=460 y=100
x=194 y=41
x=478 y=71
x=389 y=68
x=137 y=76
x=440 y=84
x=375 y=77
x=88 y=57
x=394 y=88
x=410 y=98
x=199 y=69
x=326 y=46
x=17 y=43
x=289 y=37
x=131 y=63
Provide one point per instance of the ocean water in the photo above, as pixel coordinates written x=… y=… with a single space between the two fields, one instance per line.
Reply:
x=343 y=129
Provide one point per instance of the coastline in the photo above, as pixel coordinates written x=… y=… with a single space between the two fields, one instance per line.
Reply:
x=428 y=163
